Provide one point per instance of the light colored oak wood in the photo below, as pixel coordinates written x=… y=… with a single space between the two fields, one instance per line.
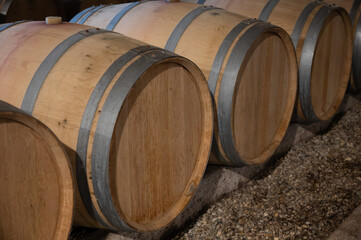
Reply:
x=333 y=54
x=37 y=193
x=169 y=128
x=260 y=115
x=327 y=95
x=266 y=110
x=348 y=4
x=144 y=117
x=53 y=20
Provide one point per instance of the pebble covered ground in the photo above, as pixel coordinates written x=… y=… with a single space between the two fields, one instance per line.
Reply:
x=305 y=195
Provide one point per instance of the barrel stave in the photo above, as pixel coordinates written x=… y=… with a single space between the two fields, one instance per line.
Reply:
x=37 y=185
x=322 y=71
x=80 y=56
x=198 y=33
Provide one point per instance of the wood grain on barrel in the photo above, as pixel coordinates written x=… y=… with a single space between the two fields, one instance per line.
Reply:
x=265 y=111
x=259 y=115
x=332 y=57
x=353 y=7
x=37 y=195
x=169 y=127
x=157 y=121
x=326 y=94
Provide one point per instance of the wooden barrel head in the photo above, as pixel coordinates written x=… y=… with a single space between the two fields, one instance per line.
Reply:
x=329 y=79
x=218 y=42
x=264 y=96
x=161 y=146
x=36 y=184
x=353 y=7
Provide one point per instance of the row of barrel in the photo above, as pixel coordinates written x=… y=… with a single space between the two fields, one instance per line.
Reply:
x=137 y=120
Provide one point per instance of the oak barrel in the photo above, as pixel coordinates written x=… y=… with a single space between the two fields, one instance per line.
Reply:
x=322 y=36
x=17 y=10
x=250 y=66
x=37 y=192
x=354 y=9
x=137 y=120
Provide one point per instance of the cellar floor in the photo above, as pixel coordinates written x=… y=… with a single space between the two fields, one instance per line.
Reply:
x=310 y=186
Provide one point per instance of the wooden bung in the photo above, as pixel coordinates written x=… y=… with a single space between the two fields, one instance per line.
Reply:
x=322 y=36
x=250 y=66
x=354 y=9
x=137 y=120
x=37 y=192
x=53 y=20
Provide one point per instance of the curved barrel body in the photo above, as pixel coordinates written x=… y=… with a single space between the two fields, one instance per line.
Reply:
x=137 y=120
x=322 y=36
x=250 y=66
x=37 y=190
x=354 y=9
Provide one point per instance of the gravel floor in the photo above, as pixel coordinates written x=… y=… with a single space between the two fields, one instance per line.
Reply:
x=306 y=195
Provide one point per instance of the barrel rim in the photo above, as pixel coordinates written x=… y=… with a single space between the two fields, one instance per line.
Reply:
x=203 y=154
x=228 y=84
x=306 y=60
x=287 y=113
x=87 y=122
x=301 y=21
x=216 y=72
x=225 y=100
x=305 y=84
x=102 y=142
x=64 y=170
